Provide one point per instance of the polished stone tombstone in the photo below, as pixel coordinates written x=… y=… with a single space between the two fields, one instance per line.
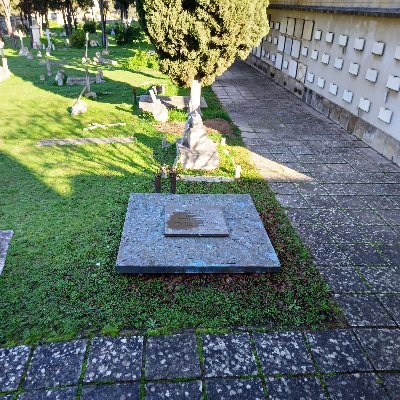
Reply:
x=209 y=233
x=35 y=29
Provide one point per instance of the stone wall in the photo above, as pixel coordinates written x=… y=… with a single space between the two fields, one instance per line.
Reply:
x=345 y=65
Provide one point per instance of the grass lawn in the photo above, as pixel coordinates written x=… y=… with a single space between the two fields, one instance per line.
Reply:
x=67 y=206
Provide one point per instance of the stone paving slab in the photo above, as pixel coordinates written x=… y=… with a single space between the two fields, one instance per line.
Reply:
x=56 y=364
x=5 y=238
x=295 y=388
x=343 y=280
x=337 y=351
x=119 y=391
x=46 y=394
x=382 y=279
x=382 y=347
x=232 y=389
x=12 y=363
x=228 y=355
x=355 y=386
x=171 y=357
x=364 y=310
x=392 y=304
x=114 y=359
x=192 y=390
x=283 y=353
x=392 y=384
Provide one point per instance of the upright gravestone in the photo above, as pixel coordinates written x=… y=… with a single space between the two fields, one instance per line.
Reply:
x=1 y=47
x=48 y=38
x=35 y=29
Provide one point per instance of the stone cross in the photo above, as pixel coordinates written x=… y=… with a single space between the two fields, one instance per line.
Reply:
x=87 y=44
x=48 y=65
x=87 y=80
x=48 y=38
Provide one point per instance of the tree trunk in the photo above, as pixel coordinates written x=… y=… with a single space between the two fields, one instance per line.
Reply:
x=195 y=96
x=65 y=22
x=7 y=15
x=103 y=23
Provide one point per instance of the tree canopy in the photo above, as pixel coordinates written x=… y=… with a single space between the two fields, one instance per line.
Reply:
x=200 y=39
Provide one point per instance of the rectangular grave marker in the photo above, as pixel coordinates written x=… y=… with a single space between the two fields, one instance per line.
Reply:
x=194 y=221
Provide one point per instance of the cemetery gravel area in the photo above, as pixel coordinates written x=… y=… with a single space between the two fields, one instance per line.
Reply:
x=66 y=205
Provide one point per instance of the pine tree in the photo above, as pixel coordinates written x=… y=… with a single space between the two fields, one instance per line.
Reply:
x=197 y=40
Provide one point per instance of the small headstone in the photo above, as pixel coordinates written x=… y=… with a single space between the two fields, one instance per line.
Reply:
x=24 y=51
x=80 y=107
x=93 y=43
x=29 y=56
x=238 y=171
x=42 y=78
x=60 y=78
x=39 y=54
x=112 y=32
x=159 y=111
x=99 y=76
x=105 y=53
x=90 y=95
x=223 y=142
x=53 y=47
x=67 y=42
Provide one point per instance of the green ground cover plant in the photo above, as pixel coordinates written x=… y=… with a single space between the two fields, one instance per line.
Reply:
x=67 y=206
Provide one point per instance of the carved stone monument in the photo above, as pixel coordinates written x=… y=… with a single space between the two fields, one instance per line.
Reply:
x=195 y=149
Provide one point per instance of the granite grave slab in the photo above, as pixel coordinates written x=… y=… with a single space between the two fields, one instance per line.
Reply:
x=179 y=102
x=82 y=141
x=5 y=238
x=145 y=248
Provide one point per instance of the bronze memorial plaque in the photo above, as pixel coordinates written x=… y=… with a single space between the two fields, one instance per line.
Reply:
x=181 y=220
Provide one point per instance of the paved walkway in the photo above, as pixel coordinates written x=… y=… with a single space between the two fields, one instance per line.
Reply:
x=344 y=200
